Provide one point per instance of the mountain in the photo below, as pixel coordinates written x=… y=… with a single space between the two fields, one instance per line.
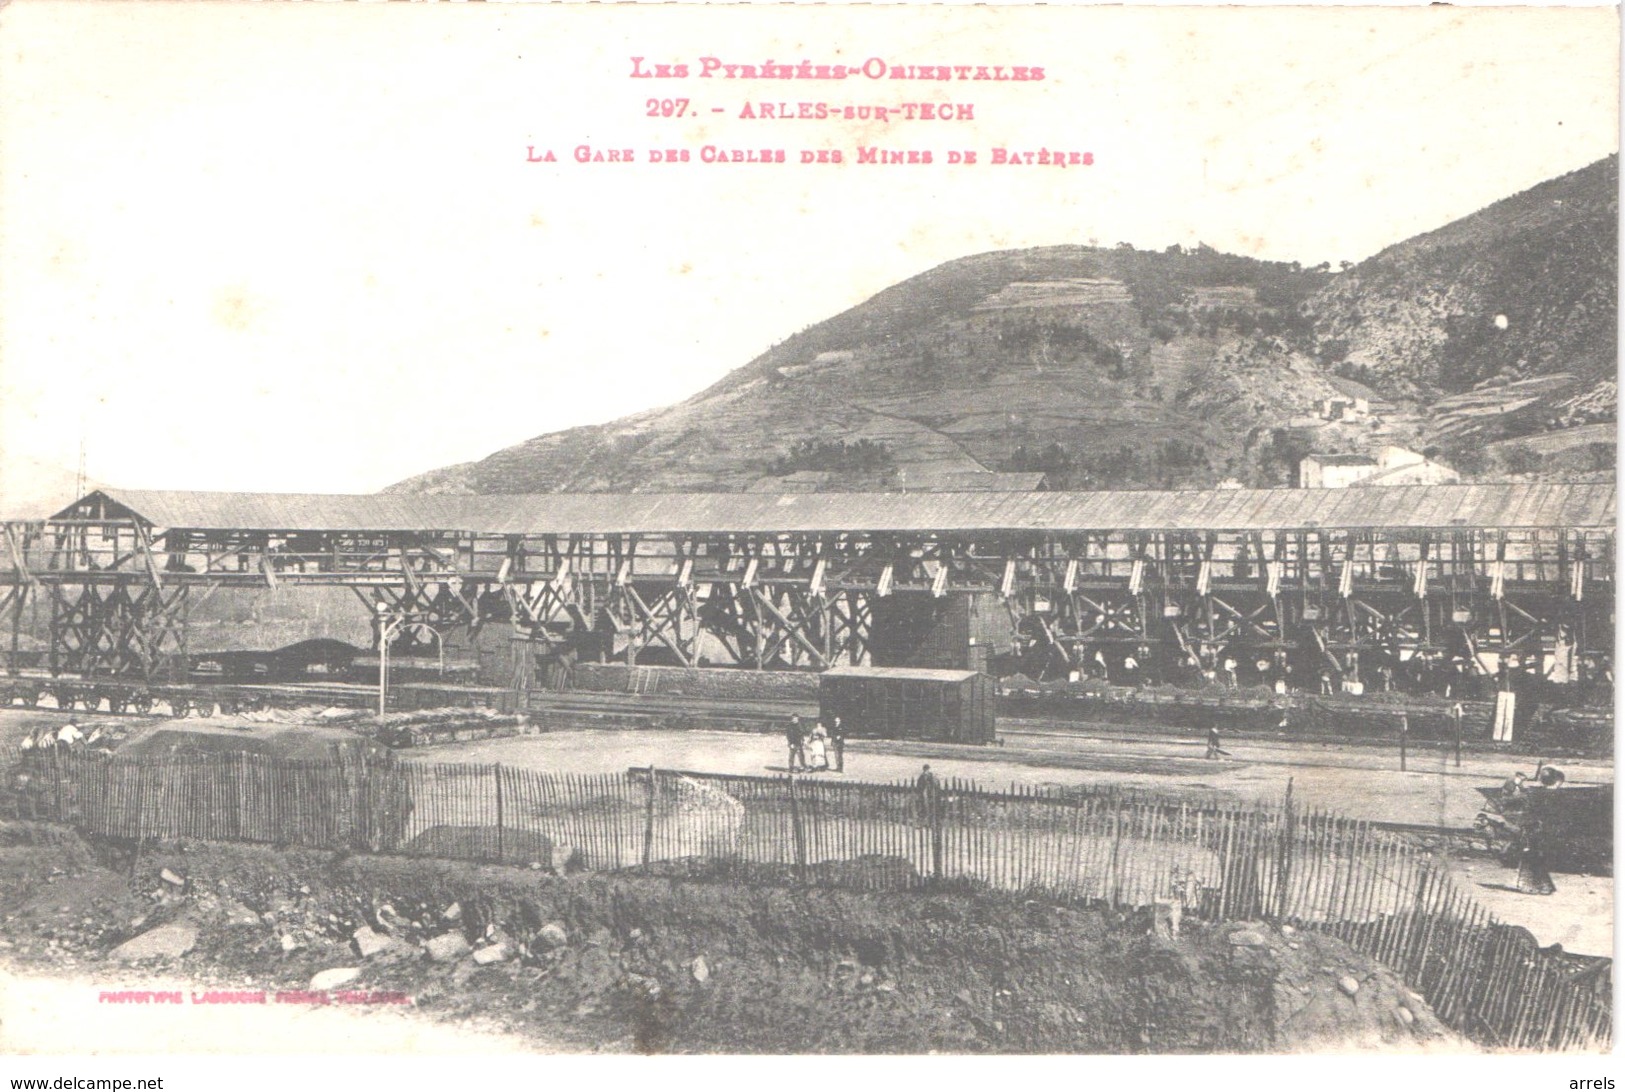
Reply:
x=1504 y=322
x=1121 y=368
x=1098 y=366
x=33 y=488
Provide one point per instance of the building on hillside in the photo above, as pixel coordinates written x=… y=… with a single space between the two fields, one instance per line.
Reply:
x=1392 y=465
x=1366 y=401
x=1328 y=471
x=1425 y=472
x=1344 y=409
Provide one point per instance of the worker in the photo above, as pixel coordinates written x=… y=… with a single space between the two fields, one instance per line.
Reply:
x=1533 y=876
x=1513 y=786
x=926 y=783
x=25 y=749
x=69 y=738
x=1213 y=749
x=25 y=791
x=837 y=744
x=794 y=736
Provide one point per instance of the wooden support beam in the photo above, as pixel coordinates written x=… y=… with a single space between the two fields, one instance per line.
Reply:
x=18 y=561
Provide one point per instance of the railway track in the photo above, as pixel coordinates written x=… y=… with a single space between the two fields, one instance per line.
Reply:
x=134 y=698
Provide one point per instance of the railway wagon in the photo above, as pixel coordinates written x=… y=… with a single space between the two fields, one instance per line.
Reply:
x=909 y=703
x=319 y=659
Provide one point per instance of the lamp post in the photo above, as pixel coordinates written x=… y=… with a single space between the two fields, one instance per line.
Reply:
x=439 y=644
x=387 y=629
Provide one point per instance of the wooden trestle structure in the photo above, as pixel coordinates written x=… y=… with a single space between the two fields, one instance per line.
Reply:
x=1454 y=571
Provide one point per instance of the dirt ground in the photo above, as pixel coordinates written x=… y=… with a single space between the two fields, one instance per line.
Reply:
x=1360 y=781
x=627 y=963
x=1348 y=780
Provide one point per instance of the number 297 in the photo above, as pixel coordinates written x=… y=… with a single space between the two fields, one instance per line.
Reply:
x=666 y=108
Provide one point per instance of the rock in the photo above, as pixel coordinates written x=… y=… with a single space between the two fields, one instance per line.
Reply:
x=447 y=947
x=1348 y=985
x=1287 y=930
x=700 y=969
x=165 y=942
x=268 y=918
x=169 y=877
x=334 y=977
x=491 y=953
x=454 y=912
x=238 y=914
x=553 y=935
x=304 y=889
x=1248 y=938
x=369 y=943
x=1405 y=1015
x=289 y=944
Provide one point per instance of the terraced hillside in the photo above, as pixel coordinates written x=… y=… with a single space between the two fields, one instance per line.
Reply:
x=1120 y=368
x=1095 y=366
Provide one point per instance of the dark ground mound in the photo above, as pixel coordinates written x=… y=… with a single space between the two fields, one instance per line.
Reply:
x=664 y=964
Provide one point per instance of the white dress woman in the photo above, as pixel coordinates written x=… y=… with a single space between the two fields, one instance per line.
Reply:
x=818 y=749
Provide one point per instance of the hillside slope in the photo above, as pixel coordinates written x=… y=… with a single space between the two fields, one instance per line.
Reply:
x=1119 y=368
x=1504 y=322
x=1097 y=366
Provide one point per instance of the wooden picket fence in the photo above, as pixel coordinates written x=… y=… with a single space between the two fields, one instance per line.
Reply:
x=1379 y=891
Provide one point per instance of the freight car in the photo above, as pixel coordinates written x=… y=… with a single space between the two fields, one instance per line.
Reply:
x=310 y=672
x=321 y=659
x=909 y=703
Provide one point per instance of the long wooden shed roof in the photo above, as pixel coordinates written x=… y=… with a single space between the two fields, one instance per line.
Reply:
x=1396 y=507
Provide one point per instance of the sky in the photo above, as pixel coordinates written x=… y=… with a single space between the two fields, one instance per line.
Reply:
x=302 y=248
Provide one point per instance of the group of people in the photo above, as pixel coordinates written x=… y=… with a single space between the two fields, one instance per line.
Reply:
x=816 y=749
x=1548 y=777
x=59 y=741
